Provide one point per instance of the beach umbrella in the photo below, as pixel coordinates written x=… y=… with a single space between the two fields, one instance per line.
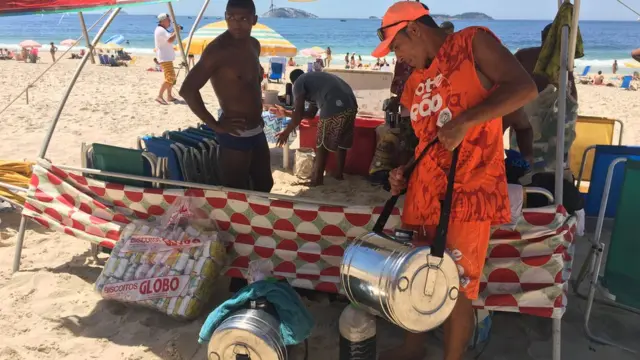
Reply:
x=271 y=43
x=30 y=44
x=115 y=39
x=109 y=46
x=68 y=42
x=315 y=51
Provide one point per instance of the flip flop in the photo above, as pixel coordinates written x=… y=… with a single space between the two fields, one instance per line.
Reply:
x=161 y=101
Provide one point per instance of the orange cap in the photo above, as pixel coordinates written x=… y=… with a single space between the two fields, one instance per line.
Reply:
x=395 y=19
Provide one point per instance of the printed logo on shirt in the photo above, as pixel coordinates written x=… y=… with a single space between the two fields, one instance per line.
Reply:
x=431 y=98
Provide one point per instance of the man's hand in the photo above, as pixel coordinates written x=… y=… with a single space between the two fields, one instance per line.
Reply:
x=452 y=133
x=283 y=137
x=397 y=181
x=231 y=126
x=278 y=110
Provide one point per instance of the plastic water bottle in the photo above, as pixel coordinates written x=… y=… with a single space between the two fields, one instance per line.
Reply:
x=357 y=334
x=288 y=100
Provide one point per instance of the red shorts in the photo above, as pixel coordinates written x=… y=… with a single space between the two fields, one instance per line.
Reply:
x=467 y=243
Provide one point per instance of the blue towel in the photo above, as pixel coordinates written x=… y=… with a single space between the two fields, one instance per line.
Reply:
x=295 y=320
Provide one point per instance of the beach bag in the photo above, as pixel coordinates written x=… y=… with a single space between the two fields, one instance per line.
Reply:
x=168 y=265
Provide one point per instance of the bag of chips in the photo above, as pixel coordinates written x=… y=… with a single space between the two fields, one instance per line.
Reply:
x=170 y=265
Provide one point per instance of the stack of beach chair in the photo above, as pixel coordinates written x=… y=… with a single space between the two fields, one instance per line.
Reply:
x=182 y=155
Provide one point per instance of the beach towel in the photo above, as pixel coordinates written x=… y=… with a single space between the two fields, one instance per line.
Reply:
x=549 y=59
x=15 y=173
x=295 y=320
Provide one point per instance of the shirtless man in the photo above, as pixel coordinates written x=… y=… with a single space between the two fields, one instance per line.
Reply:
x=231 y=63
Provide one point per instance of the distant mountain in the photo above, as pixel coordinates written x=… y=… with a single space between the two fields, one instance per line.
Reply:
x=463 y=16
x=373 y=17
x=288 y=13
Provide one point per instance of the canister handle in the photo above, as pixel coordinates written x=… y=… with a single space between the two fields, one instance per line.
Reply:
x=391 y=203
x=440 y=241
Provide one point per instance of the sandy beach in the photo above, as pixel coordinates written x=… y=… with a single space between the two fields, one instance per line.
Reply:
x=49 y=309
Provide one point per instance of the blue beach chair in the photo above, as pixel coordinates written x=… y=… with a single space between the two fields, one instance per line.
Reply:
x=626 y=82
x=604 y=156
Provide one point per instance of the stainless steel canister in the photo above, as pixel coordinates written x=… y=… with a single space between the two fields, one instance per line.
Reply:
x=406 y=285
x=248 y=334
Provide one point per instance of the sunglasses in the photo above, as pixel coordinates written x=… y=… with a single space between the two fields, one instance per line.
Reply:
x=381 y=30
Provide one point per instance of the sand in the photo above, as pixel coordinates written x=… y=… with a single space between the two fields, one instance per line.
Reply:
x=49 y=309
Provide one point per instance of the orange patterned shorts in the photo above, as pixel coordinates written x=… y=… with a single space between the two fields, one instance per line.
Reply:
x=467 y=243
x=169 y=72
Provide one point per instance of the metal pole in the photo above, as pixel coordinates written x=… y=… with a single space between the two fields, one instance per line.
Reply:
x=18 y=253
x=195 y=24
x=562 y=114
x=85 y=58
x=27 y=94
x=177 y=30
x=556 y=330
x=85 y=33
x=574 y=33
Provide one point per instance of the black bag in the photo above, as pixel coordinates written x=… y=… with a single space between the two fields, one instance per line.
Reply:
x=571 y=197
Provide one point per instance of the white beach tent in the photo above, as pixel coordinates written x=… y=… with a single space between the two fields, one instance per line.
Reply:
x=568 y=41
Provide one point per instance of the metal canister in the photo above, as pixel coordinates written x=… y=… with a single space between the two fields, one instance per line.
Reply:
x=248 y=334
x=406 y=285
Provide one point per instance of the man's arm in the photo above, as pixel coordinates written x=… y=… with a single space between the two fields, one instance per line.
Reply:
x=195 y=80
x=519 y=122
x=513 y=87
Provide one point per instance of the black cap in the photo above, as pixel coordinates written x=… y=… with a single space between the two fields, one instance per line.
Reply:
x=446 y=25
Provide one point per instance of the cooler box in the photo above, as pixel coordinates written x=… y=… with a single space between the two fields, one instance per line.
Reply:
x=361 y=153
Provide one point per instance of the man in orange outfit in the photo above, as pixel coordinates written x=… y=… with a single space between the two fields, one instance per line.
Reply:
x=471 y=81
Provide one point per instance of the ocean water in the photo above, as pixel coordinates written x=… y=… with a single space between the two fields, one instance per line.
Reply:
x=604 y=40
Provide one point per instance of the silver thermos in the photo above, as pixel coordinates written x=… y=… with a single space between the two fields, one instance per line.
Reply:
x=357 y=334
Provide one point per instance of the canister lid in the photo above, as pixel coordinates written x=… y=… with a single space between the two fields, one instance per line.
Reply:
x=228 y=343
x=424 y=290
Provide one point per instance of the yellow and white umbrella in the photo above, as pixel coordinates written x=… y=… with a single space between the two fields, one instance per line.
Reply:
x=109 y=46
x=271 y=43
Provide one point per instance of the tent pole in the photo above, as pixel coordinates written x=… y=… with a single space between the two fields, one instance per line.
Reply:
x=86 y=36
x=18 y=253
x=195 y=24
x=573 y=39
x=65 y=97
x=52 y=127
x=177 y=30
x=562 y=114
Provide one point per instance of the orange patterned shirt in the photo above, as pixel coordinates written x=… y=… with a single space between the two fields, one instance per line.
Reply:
x=435 y=95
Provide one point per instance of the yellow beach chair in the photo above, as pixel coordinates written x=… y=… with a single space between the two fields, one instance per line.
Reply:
x=591 y=131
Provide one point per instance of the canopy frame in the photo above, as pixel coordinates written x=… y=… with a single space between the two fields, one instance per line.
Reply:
x=568 y=42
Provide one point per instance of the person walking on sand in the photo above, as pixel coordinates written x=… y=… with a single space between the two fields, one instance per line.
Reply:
x=165 y=55
x=338 y=109
x=231 y=62
x=461 y=86
x=615 y=67
x=53 y=50
x=346 y=61
x=327 y=60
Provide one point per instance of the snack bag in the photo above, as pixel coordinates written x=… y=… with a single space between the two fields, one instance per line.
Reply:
x=169 y=265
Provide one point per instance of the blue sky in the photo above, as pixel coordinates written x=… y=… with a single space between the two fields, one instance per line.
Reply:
x=499 y=9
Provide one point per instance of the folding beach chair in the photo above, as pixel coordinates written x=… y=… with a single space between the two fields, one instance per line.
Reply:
x=195 y=151
x=120 y=160
x=620 y=283
x=591 y=131
x=626 y=82
x=208 y=138
x=604 y=156
x=164 y=148
x=276 y=71
x=586 y=70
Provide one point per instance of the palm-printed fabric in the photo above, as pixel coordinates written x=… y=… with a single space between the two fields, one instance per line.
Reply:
x=526 y=269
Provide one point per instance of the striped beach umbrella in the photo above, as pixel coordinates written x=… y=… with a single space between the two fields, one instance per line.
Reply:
x=271 y=43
